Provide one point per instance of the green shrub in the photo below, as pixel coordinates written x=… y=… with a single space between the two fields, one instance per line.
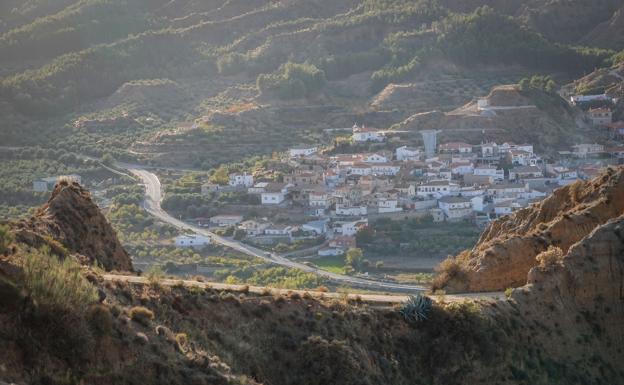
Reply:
x=6 y=238
x=57 y=283
x=292 y=81
x=154 y=275
x=141 y=315
x=416 y=308
x=508 y=292
x=100 y=320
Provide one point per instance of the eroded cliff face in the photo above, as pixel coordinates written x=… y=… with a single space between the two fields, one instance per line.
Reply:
x=581 y=294
x=507 y=249
x=71 y=221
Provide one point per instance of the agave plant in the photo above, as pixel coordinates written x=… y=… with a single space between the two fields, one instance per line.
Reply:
x=416 y=308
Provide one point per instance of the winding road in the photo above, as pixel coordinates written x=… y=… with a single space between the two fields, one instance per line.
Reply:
x=153 y=198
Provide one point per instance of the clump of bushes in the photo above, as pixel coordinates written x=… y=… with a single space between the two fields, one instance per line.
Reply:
x=416 y=308
x=292 y=81
x=100 y=320
x=448 y=270
x=56 y=283
x=6 y=238
x=550 y=257
x=141 y=315
x=154 y=276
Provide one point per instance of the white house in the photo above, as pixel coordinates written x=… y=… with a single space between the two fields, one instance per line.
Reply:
x=332 y=177
x=367 y=134
x=275 y=193
x=299 y=152
x=360 y=168
x=318 y=227
x=600 y=116
x=318 y=199
x=351 y=228
x=388 y=205
x=519 y=157
x=505 y=208
x=489 y=150
x=562 y=174
x=455 y=147
x=194 y=240
x=587 y=149
x=491 y=171
x=351 y=211
x=374 y=158
x=523 y=147
x=258 y=188
x=524 y=172
x=588 y=98
x=445 y=174
x=477 y=203
x=455 y=208
x=461 y=168
x=226 y=220
x=389 y=169
x=507 y=189
x=244 y=180
x=437 y=188
x=406 y=153
x=471 y=191
x=253 y=228
x=279 y=230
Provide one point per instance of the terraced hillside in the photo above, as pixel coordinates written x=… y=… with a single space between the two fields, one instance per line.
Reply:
x=157 y=64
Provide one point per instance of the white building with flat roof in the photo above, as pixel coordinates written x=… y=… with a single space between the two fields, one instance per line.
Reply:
x=406 y=153
x=455 y=208
x=194 y=240
x=242 y=180
x=437 y=188
x=299 y=152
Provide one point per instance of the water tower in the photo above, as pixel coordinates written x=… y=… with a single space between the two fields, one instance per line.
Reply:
x=430 y=140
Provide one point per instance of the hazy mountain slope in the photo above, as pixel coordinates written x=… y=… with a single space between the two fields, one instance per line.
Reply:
x=569 y=22
x=64 y=65
x=78 y=27
x=608 y=34
x=14 y=13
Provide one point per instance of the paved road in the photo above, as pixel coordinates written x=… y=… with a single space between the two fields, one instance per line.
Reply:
x=375 y=299
x=153 y=198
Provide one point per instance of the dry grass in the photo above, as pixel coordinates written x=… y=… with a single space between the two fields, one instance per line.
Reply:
x=448 y=271
x=55 y=282
x=550 y=257
x=141 y=315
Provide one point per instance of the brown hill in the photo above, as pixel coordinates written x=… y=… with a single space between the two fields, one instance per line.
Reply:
x=70 y=219
x=513 y=116
x=563 y=327
x=508 y=248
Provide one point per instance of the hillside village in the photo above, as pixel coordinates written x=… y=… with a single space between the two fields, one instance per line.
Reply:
x=328 y=193
x=330 y=196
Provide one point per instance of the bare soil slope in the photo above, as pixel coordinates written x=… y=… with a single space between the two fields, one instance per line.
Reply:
x=508 y=248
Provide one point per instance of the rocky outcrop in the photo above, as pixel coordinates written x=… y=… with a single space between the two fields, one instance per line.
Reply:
x=71 y=221
x=582 y=293
x=507 y=249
